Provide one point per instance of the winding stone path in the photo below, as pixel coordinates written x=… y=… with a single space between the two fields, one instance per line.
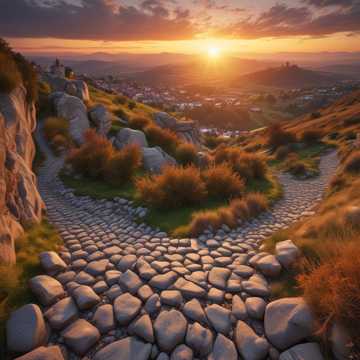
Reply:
x=131 y=292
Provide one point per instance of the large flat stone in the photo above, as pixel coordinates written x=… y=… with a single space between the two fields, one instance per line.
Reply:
x=125 y=349
x=46 y=289
x=62 y=313
x=126 y=307
x=80 y=336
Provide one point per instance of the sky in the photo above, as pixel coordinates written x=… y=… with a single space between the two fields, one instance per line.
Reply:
x=181 y=26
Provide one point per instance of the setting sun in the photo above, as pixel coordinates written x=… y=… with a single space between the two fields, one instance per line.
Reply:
x=213 y=52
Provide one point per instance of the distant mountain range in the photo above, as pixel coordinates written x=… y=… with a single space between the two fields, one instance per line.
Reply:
x=290 y=76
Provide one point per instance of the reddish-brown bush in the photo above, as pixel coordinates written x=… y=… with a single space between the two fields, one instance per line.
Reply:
x=221 y=182
x=248 y=165
x=139 y=123
x=311 y=137
x=239 y=209
x=277 y=137
x=186 y=154
x=333 y=290
x=92 y=156
x=352 y=163
x=174 y=187
x=164 y=138
x=122 y=166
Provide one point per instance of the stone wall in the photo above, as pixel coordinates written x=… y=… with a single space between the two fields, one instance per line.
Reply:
x=20 y=202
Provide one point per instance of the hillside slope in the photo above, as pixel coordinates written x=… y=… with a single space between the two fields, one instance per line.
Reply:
x=290 y=77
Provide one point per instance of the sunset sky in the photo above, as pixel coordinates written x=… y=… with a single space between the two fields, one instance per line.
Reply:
x=182 y=26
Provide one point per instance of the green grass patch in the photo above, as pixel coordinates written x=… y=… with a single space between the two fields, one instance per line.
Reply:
x=98 y=189
x=173 y=219
x=14 y=291
x=269 y=186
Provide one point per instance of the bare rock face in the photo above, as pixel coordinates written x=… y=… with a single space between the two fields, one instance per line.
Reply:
x=101 y=118
x=74 y=110
x=20 y=202
x=186 y=130
x=127 y=136
x=76 y=88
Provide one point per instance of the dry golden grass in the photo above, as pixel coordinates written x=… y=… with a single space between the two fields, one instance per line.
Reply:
x=240 y=209
x=173 y=187
x=221 y=182
x=311 y=136
x=332 y=289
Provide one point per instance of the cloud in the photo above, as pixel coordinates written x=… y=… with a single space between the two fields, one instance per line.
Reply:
x=326 y=3
x=111 y=20
x=94 y=20
x=284 y=21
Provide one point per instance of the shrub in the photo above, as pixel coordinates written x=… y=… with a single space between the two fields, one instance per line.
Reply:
x=277 y=137
x=120 y=112
x=256 y=204
x=92 y=157
x=10 y=76
x=131 y=105
x=59 y=142
x=239 y=209
x=213 y=142
x=211 y=220
x=222 y=182
x=282 y=152
x=55 y=126
x=164 y=138
x=139 y=123
x=311 y=136
x=120 y=99
x=332 y=290
x=296 y=168
x=334 y=135
x=350 y=135
x=315 y=115
x=122 y=166
x=352 y=163
x=186 y=154
x=174 y=187
x=248 y=166
x=354 y=120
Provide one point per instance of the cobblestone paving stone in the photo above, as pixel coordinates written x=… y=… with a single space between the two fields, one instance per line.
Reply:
x=132 y=290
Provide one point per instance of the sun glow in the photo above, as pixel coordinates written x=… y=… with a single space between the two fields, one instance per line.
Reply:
x=213 y=52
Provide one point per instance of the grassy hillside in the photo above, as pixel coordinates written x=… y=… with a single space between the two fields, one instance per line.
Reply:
x=328 y=274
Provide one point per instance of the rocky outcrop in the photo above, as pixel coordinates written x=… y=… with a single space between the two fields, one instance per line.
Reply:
x=74 y=110
x=127 y=136
x=155 y=158
x=20 y=202
x=101 y=118
x=185 y=130
x=76 y=88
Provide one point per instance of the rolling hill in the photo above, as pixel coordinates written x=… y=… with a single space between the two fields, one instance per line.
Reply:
x=290 y=77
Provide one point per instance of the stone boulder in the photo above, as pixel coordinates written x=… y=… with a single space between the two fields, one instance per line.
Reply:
x=185 y=130
x=127 y=136
x=341 y=342
x=286 y=253
x=250 y=345
x=43 y=353
x=47 y=289
x=76 y=88
x=101 y=118
x=155 y=158
x=20 y=202
x=25 y=329
x=288 y=321
x=303 y=352
x=128 y=348
x=74 y=110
